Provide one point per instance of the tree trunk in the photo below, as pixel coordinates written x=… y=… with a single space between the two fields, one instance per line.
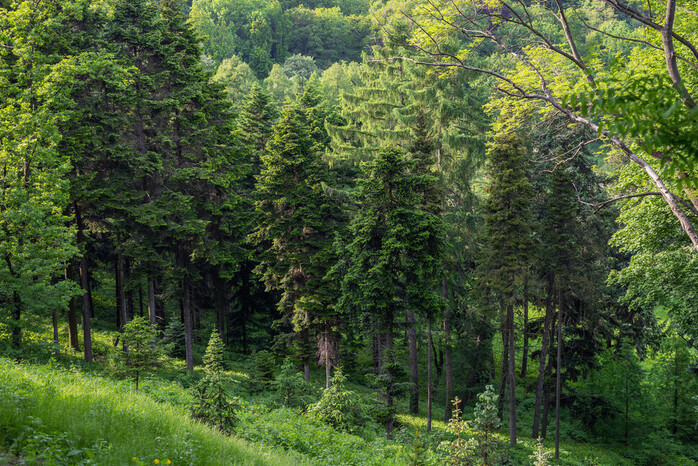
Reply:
x=558 y=377
x=122 y=296
x=117 y=292
x=188 y=323
x=548 y=370
x=140 y=301
x=448 y=363
x=160 y=316
x=387 y=355
x=542 y=363
x=56 y=343
x=17 y=317
x=524 y=356
x=414 y=368
x=512 y=376
x=221 y=305
x=86 y=328
x=73 y=336
x=152 y=313
x=128 y=274
x=429 y=373
x=505 y=369
x=305 y=344
x=328 y=364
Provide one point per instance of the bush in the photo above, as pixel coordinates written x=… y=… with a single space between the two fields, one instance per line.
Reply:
x=337 y=408
x=291 y=388
x=211 y=404
x=262 y=371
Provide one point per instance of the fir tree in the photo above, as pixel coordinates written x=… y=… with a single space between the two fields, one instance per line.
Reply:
x=508 y=246
x=393 y=255
x=295 y=226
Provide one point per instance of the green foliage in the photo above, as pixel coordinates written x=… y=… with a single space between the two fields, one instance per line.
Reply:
x=103 y=421
x=173 y=338
x=264 y=365
x=140 y=353
x=541 y=456
x=338 y=407
x=484 y=448
x=291 y=389
x=211 y=404
x=213 y=357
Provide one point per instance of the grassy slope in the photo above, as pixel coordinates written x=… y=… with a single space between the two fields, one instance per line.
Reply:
x=46 y=409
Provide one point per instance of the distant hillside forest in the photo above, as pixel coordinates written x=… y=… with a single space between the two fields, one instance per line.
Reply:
x=433 y=196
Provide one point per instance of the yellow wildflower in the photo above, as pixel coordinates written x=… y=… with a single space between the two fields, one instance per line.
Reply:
x=156 y=461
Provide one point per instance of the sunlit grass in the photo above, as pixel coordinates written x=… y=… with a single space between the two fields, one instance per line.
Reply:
x=43 y=408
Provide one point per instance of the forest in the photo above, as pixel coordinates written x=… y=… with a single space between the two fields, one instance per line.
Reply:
x=349 y=232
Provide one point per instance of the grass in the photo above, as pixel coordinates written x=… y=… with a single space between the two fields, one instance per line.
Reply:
x=51 y=415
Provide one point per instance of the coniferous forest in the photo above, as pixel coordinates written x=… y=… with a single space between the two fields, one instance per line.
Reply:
x=355 y=232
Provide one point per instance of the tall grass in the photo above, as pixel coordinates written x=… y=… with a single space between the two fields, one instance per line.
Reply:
x=62 y=416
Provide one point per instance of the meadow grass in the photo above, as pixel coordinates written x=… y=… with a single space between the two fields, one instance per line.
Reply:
x=56 y=416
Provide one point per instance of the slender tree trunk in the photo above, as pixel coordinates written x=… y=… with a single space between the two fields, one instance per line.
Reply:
x=305 y=344
x=548 y=371
x=141 y=312
x=73 y=335
x=221 y=305
x=558 y=378
x=160 y=316
x=17 y=317
x=448 y=362
x=505 y=368
x=128 y=274
x=122 y=296
x=524 y=355
x=512 y=376
x=152 y=313
x=414 y=367
x=117 y=291
x=328 y=364
x=86 y=327
x=430 y=343
x=188 y=322
x=56 y=343
x=542 y=363
x=388 y=354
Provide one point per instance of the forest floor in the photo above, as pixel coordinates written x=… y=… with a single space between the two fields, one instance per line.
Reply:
x=59 y=410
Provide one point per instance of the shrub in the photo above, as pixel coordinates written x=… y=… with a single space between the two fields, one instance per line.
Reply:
x=338 y=408
x=485 y=447
x=291 y=388
x=211 y=404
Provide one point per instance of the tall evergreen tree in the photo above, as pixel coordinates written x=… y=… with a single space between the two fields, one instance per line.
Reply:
x=295 y=225
x=393 y=256
x=508 y=246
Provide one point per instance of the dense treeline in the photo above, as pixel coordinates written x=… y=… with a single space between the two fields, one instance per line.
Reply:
x=340 y=188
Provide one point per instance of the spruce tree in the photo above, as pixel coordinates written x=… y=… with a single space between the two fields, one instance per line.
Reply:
x=393 y=256
x=508 y=246
x=295 y=227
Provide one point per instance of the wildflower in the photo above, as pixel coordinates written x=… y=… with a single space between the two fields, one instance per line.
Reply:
x=134 y=459
x=156 y=461
x=168 y=462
